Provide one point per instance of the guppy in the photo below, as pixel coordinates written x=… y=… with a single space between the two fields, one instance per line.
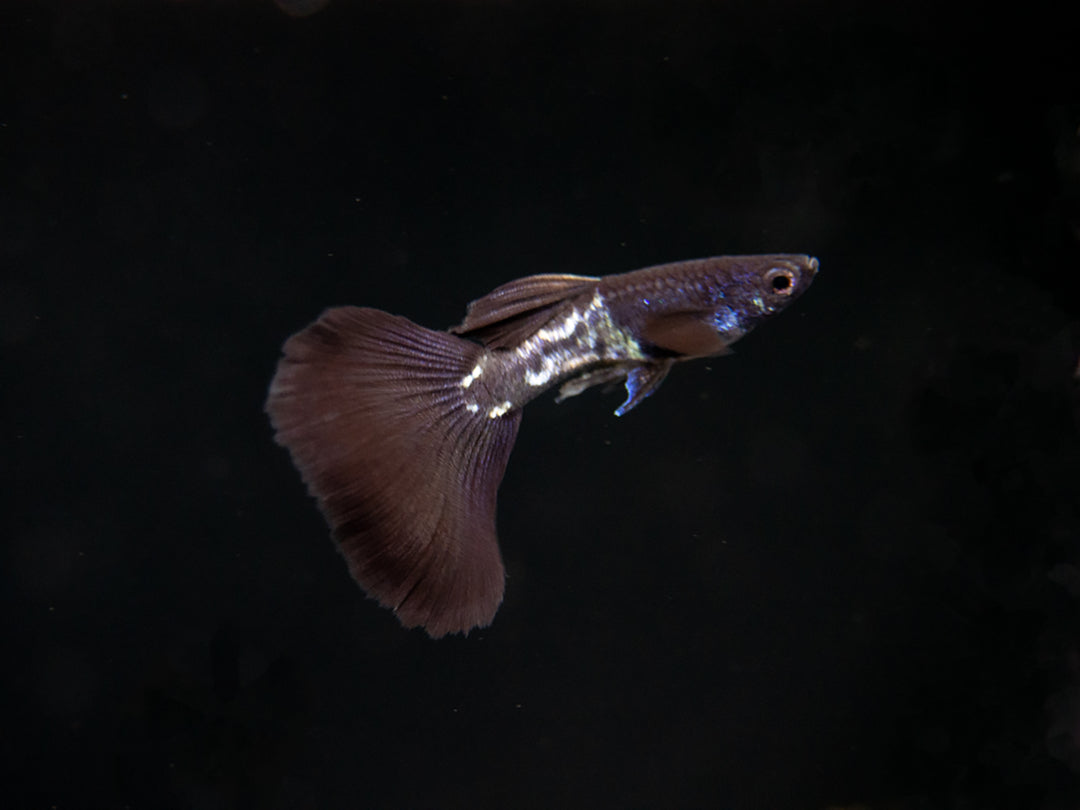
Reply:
x=402 y=433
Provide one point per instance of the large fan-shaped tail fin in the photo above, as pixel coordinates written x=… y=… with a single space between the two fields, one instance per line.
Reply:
x=371 y=407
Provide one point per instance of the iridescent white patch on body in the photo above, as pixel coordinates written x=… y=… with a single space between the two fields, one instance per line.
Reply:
x=549 y=369
x=470 y=378
x=559 y=356
x=500 y=410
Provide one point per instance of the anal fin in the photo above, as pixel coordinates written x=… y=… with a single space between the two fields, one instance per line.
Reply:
x=589 y=379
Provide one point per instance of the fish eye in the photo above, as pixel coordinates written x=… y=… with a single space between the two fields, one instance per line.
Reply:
x=781 y=281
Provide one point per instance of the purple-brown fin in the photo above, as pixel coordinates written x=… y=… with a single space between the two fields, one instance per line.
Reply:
x=687 y=334
x=371 y=407
x=514 y=311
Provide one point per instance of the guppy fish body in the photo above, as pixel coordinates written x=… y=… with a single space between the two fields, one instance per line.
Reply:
x=402 y=433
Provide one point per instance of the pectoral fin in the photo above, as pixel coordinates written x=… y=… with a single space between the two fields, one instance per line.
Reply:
x=687 y=334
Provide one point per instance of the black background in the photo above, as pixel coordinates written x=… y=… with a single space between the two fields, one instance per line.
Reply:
x=838 y=569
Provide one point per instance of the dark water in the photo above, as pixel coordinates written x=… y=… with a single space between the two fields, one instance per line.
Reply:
x=840 y=569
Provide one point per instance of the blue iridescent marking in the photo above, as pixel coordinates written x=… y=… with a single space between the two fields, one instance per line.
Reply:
x=726 y=319
x=636 y=379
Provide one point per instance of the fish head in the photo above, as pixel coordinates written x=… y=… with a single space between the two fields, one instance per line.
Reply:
x=758 y=287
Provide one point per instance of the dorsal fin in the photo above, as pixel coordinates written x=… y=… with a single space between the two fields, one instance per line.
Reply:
x=510 y=313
